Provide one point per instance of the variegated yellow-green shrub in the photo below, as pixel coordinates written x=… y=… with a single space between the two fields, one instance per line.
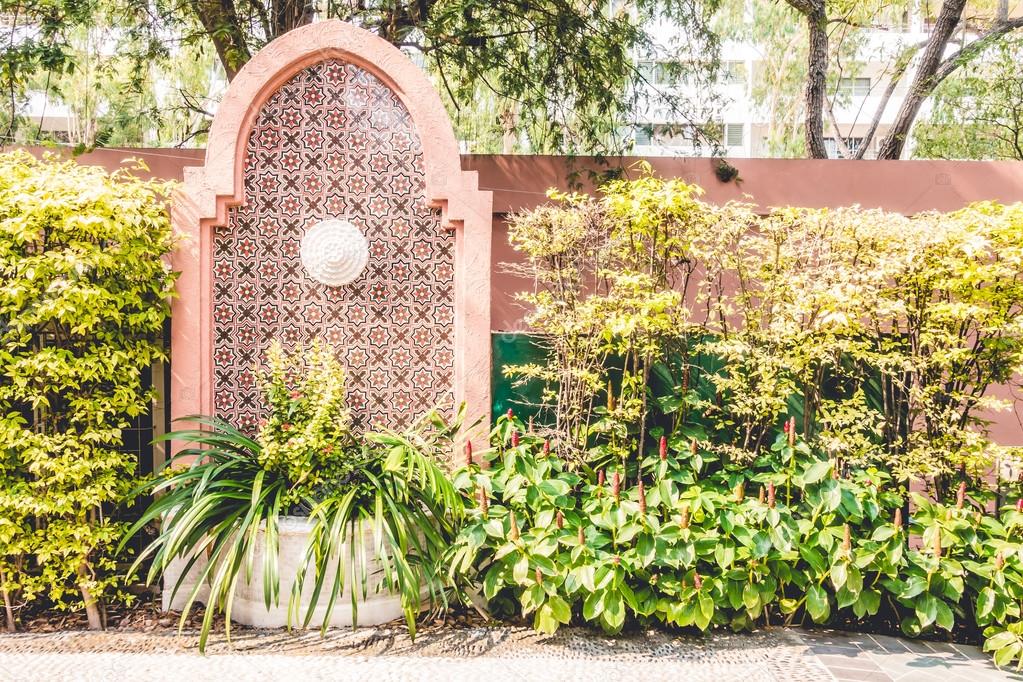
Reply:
x=84 y=289
x=882 y=334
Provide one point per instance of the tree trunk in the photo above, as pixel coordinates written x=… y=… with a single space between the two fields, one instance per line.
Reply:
x=893 y=82
x=8 y=607
x=291 y=14
x=817 y=74
x=92 y=610
x=219 y=19
x=509 y=136
x=924 y=80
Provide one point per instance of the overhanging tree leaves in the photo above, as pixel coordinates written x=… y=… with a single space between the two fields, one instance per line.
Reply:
x=953 y=28
x=563 y=72
x=978 y=113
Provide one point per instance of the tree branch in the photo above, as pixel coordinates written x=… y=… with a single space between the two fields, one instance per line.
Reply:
x=948 y=20
x=901 y=66
x=966 y=53
x=817 y=74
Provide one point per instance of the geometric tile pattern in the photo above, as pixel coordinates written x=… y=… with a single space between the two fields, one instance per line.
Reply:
x=335 y=142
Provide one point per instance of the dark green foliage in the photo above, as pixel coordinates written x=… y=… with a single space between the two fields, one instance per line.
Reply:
x=694 y=540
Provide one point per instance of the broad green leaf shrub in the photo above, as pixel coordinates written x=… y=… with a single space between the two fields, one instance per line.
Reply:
x=84 y=290
x=697 y=540
x=224 y=495
x=873 y=336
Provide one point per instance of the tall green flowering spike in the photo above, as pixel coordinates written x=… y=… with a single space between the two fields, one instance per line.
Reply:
x=305 y=441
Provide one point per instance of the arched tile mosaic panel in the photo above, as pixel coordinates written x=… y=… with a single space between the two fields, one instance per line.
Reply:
x=335 y=143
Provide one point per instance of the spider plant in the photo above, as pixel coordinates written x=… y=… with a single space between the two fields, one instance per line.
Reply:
x=215 y=507
x=413 y=510
x=210 y=513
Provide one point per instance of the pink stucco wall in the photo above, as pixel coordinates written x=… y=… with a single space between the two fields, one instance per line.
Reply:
x=520 y=182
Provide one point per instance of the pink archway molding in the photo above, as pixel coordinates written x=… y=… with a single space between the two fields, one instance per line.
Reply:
x=208 y=191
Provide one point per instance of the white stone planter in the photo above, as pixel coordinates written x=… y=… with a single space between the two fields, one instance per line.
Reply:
x=248 y=607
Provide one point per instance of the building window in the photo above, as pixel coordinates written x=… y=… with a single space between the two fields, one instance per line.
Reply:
x=662 y=73
x=733 y=73
x=642 y=136
x=734 y=135
x=853 y=143
x=684 y=138
x=854 y=87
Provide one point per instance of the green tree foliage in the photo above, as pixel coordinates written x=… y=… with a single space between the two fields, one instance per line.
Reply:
x=978 y=113
x=84 y=292
x=560 y=76
x=34 y=40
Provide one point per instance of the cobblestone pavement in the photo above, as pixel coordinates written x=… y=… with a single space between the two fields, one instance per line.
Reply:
x=490 y=655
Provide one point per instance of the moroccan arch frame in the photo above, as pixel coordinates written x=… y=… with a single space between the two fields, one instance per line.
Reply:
x=202 y=204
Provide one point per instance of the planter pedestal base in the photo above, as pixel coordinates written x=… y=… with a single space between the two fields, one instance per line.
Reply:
x=248 y=607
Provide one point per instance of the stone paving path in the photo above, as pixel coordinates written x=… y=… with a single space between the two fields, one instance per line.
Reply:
x=491 y=655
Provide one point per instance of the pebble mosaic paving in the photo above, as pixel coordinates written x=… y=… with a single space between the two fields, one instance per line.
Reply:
x=491 y=655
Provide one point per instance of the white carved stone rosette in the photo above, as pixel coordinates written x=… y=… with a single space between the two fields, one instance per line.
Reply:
x=334 y=252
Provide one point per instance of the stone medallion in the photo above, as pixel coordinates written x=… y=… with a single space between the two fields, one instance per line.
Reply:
x=334 y=252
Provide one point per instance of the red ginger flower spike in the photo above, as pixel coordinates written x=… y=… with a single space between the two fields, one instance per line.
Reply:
x=770 y=495
x=616 y=485
x=999 y=562
x=662 y=448
x=510 y=414
x=785 y=426
x=740 y=491
x=484 y=501
x=792 y=431
x=961 y=495
x=762 y=495
x=683 y=522
x=468 y=453
x=1019 y=505
x=560 y=520
x=513 y=531
x=546 y=447
x=642 y=498
x=697 y=582
x=515 y=438
x=600 y=477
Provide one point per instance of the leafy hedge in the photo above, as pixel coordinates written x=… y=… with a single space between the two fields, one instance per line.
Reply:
x=84 y=292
